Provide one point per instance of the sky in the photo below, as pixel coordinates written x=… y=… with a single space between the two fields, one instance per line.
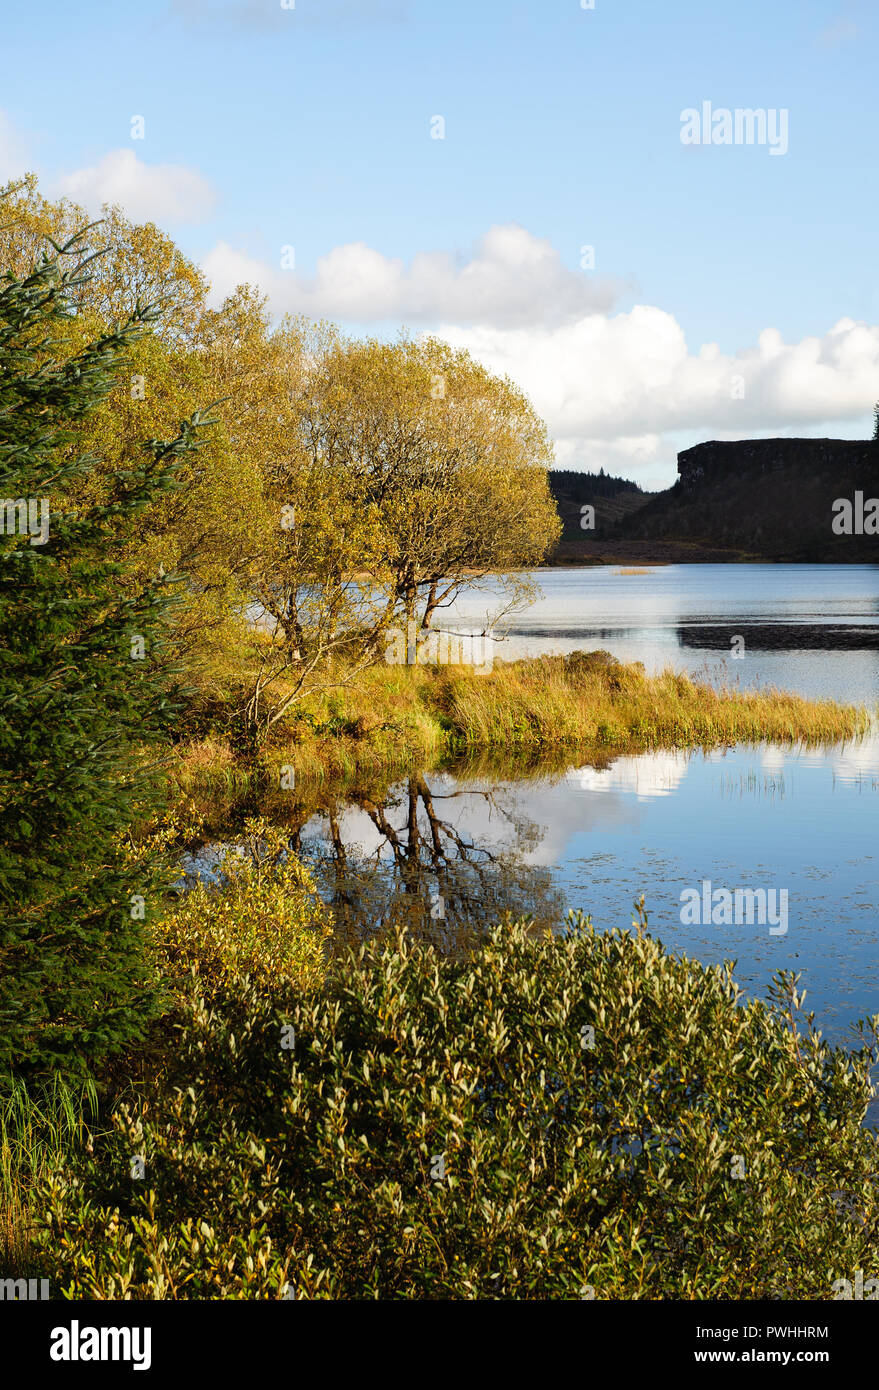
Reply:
x=522 y=177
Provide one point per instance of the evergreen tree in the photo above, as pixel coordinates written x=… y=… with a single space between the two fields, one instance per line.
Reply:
x=87 y=687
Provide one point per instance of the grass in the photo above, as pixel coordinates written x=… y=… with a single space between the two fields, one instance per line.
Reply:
x=39 y=1125
x=400 y=718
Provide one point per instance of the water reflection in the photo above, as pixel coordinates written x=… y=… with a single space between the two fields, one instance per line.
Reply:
x=451 y=850
x=777 y=637
x=541 y=841
x=409 y=857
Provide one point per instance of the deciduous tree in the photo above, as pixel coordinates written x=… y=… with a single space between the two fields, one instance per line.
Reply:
x=450 y=459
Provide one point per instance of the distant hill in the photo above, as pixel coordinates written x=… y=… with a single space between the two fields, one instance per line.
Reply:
x=733 y=500
x=613 y=499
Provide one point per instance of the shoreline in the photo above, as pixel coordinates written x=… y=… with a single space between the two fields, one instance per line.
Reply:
x=399 y=719
x=586 y=554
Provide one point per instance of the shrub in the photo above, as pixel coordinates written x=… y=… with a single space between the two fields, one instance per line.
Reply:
x=693 y=1147
x=266 y=919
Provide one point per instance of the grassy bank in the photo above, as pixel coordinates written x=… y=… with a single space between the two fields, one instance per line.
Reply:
x=399 y=718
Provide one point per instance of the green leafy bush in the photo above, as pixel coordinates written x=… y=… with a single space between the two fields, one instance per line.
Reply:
x=451 y=1127
x=267 y=920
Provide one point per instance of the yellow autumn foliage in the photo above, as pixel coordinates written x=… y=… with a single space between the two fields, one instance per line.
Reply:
x=266 y=920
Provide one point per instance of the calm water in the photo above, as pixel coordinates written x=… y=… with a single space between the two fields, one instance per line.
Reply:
x=459 y=844
x=453 y=848
x=809 y=628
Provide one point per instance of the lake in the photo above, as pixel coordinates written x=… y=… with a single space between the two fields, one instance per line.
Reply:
x=813 y=629
x=466 y=842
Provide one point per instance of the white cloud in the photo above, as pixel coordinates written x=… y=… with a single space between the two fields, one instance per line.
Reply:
x=622 y=391
x=146 y=192
x=513 y=279
x=617 y=390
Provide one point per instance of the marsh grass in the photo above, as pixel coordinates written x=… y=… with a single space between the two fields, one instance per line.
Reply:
x=579 y=699
x=401 y=718
x=40 y=1124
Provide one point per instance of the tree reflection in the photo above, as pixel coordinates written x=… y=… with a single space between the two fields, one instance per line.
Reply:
x=427 y=870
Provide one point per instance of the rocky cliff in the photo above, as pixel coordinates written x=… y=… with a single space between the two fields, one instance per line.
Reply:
x=726 y=459
x=767 y=499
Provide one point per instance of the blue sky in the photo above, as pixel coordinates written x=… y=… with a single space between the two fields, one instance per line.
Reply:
x=311 y=127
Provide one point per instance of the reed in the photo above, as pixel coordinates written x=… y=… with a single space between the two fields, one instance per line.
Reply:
x=397 y=719
x=41 y=1124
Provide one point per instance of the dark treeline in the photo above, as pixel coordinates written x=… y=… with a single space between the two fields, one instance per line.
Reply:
x=584 y=486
